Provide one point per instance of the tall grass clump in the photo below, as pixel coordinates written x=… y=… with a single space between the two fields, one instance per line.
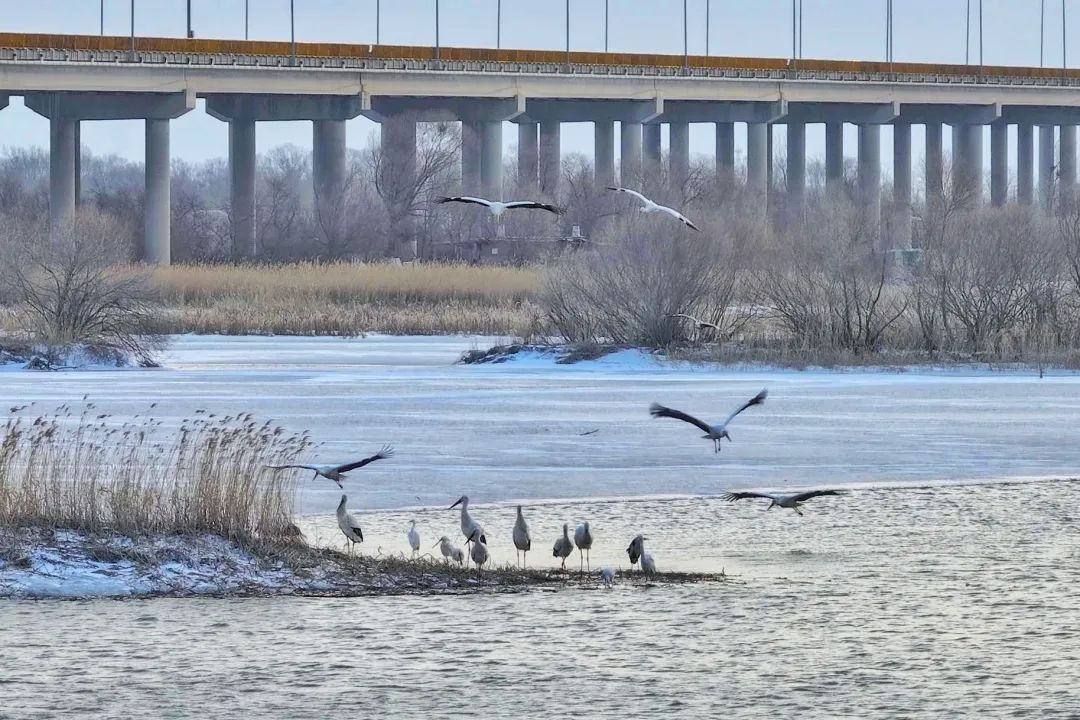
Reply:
x=82 y=471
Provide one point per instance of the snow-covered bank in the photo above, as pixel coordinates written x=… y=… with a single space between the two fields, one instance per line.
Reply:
x=66 y=564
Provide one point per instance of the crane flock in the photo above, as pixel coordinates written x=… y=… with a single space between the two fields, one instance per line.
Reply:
x=476 y=540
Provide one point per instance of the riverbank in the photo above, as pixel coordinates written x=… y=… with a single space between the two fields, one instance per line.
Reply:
x=38 y=563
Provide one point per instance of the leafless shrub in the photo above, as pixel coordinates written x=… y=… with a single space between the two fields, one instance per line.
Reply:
x=68 y=291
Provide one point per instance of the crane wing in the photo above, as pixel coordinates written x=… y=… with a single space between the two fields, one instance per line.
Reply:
x=756 y=400
x=533 y=205
x=732 y=497
x=293 y=467
x=680 y=217
x=802 y=497
x=465 y=199
x=633 y=193
x=386 y=452
x=657 y=410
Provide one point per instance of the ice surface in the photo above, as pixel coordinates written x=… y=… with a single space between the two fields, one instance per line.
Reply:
x=515 y=430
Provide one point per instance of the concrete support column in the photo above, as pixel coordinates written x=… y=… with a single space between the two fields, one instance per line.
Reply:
x=834 y=155
x=398 y=137
x=1067 y=166
x=470 y=156
x=967 y=163
x=725 y=153
x=528 y=157
x=630 y=149
x=999 y=163
x=242 y=186
x=901 y=223
x=1046 y=166
x=604 y=152
x=328 y=165
x=935 y=168
x=78 y=163
x=650 y=139
x=679 y=154
x=550 y=157
x=870 y=170
x=491 y=160
x=157 y=247
x=62 y=163
x=796 y=169
x=758 y=160
x=1025 y=164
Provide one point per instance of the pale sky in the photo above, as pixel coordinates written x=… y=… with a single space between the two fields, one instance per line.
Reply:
x=925 y=30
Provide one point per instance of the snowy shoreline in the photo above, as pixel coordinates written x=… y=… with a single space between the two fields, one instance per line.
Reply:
x=63 y=564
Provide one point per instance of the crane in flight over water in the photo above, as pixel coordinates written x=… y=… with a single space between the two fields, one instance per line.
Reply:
x=791 y=502
x=648 y=207
x=348 y=524
x=712 y=432
x=337 y=472
x=469 y=527
x=522 y=538
x=497 y=208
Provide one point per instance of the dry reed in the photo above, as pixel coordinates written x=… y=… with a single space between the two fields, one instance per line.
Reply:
x=346 y=299
x=83 y=471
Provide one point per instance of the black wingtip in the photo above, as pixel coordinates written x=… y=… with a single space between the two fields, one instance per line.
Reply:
x=656 y=409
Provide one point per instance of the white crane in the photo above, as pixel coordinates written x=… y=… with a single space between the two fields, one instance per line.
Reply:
x=649 y=207
x=522 y=539
x=712 y=432
x=449 y=551
x=563 y=546
x=469 y=527
x=607 y=575
x=414 y=538
x=479 y=551
x=583 y=539
x=648 y=565
x=497 y=208
x=348 y=524
x=337 y=472
x=636 y=549
x=699 y=324
x=791 y=502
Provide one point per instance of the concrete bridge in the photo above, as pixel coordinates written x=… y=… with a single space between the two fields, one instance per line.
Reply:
x=73 y=78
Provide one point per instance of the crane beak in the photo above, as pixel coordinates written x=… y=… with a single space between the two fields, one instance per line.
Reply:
x=436 y=545
x=454 y=505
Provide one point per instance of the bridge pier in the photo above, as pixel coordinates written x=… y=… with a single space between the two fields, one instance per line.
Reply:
x=470 y=157
x=796 y=170
x=725 y=154
x=870 y=170
x=62 y=162
x=528 y=155
x=758 y=159
x=604 y=152
x=156 y=240
x=650 y=139
x=935 y=167
x=550 y=156
x=999 y=163
x=1025 y=163
x=1046 y=166
x=630 y=139
x=328 y=158
x=679 y=154
x=1067 y=167
x=834 y=155
x=967 y=163
x=242 y=186
x=491 y=165
x=901 y=222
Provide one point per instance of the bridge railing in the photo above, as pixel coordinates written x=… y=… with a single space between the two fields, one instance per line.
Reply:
x=19 y=47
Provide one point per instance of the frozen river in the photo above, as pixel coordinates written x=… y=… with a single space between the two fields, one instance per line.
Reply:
x=956 y=598
x=511 y=432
